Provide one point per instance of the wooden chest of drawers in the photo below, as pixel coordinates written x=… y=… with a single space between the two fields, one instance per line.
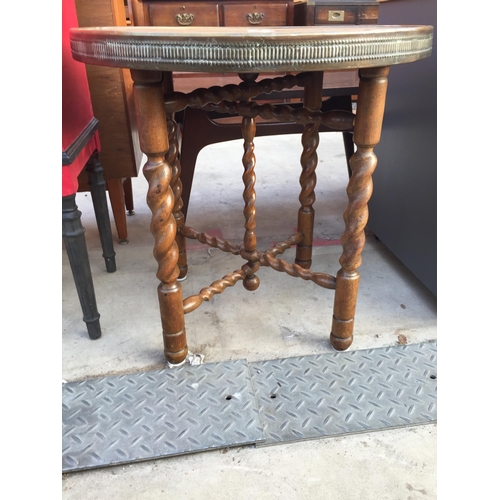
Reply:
x=334 y=12
x=213 y=13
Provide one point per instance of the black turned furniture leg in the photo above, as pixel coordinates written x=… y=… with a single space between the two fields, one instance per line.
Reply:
x=345 y=102
x=98 y=192
x=349 y=149
x=74 y=239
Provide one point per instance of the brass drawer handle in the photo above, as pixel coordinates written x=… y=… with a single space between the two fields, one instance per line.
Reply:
x=255 y=17
x=336 y=15
x=184 y=19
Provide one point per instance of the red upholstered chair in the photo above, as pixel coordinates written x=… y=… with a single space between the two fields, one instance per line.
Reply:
x=80 y=150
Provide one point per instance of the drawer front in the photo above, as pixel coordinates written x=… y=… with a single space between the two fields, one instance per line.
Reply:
x=183 y=14
x=345 y=14
x=336 y=14
x=368 y=14
x=254 y=14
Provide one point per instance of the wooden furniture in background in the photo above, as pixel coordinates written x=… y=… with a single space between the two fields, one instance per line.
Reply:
x=212 y=13
x=335 y=12
x=201 y=128
x=194 y=13
x=307 y=50
x=111 y=88
x=80 y=154
x=111 y=93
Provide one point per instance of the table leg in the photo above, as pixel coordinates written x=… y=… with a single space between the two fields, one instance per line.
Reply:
x=309 y=161
x=173 y=159
x=248 y=130
x=176 y=184
x=367 y=130
x=153 y=138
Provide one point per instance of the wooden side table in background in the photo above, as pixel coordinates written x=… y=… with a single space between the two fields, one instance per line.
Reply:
x=111 y=94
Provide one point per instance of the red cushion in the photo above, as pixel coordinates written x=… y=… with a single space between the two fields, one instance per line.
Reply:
x=77 y=109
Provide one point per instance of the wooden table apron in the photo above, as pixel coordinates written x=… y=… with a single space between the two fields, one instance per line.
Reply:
x=302 y=52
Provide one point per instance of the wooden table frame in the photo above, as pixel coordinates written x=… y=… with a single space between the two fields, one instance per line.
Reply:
x=305 y=52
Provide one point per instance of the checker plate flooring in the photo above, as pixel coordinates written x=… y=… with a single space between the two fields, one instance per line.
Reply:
x=338 y=393
x=143 y=416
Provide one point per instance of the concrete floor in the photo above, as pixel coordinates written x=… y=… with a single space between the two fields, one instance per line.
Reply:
x=285 y=317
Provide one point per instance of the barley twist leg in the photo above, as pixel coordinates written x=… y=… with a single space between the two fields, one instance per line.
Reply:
x=176 y=184
x=367 y=129
x=152 y=127
x=248 y=128
x=309 y=161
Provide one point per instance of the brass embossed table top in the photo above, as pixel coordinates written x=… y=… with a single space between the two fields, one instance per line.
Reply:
x=153 y=53
x=239 y=49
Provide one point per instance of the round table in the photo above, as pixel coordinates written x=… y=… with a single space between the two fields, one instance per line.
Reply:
x=302 y=54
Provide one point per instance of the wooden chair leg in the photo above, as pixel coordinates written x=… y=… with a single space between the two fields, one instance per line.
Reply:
x=129 y=196
x=367 y=130
x=117 y=200
x=74 y=240
x=98 y=193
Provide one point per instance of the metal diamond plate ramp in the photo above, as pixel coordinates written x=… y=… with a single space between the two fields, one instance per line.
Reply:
x=346 y=392
x=143 y=416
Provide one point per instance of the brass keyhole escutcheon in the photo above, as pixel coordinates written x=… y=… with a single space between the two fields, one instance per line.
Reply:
x=336 y=15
